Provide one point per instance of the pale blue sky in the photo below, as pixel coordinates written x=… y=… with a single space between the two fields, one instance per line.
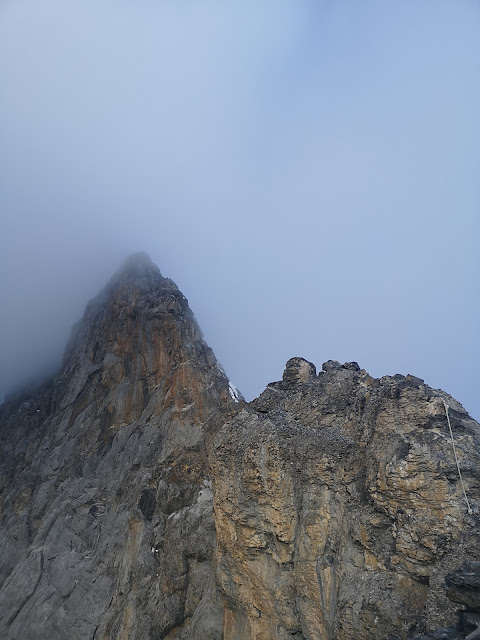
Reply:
x=307 y=172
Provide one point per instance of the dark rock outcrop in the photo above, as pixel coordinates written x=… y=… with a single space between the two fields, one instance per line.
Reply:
x=463 y=587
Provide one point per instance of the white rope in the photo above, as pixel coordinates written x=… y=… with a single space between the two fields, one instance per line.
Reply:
x=469 y=508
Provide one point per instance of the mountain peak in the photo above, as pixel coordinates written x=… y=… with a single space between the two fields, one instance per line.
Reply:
x=133 y=335
x=138 y=262
x=137 y=265
x=137 y=273
x=123 y=427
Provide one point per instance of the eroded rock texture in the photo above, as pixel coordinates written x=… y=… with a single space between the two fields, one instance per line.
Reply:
x=106 y=503
x=338 y=507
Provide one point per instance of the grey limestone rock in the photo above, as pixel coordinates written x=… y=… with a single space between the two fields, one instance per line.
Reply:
x=106 y=502
x=338 y=507
x=298 y=370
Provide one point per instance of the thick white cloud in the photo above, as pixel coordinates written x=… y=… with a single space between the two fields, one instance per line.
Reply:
x=306 y=172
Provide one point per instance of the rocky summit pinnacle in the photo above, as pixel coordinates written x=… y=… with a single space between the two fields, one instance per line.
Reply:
x=138 y=265
x=139 y=260
x=107 y=526
x=142 y=499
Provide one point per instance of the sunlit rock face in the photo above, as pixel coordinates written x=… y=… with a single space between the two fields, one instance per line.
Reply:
x=142 y=498
x=107 y=527
x=338 y=507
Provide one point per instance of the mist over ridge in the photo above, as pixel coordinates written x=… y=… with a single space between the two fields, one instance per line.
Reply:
x=305 y=174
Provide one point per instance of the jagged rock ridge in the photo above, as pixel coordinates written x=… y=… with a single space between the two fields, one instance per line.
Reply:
x=337 y=506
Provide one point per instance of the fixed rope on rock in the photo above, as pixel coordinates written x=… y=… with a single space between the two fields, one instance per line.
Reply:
x=469 y=508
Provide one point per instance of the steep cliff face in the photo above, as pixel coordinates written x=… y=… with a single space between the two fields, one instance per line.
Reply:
x=106 y=503
x=338 y=507
x=141 y=498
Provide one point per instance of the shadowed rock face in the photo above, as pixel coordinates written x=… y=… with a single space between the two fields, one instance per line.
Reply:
x=463 y=587
x=337 y=506
x=107 y=526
